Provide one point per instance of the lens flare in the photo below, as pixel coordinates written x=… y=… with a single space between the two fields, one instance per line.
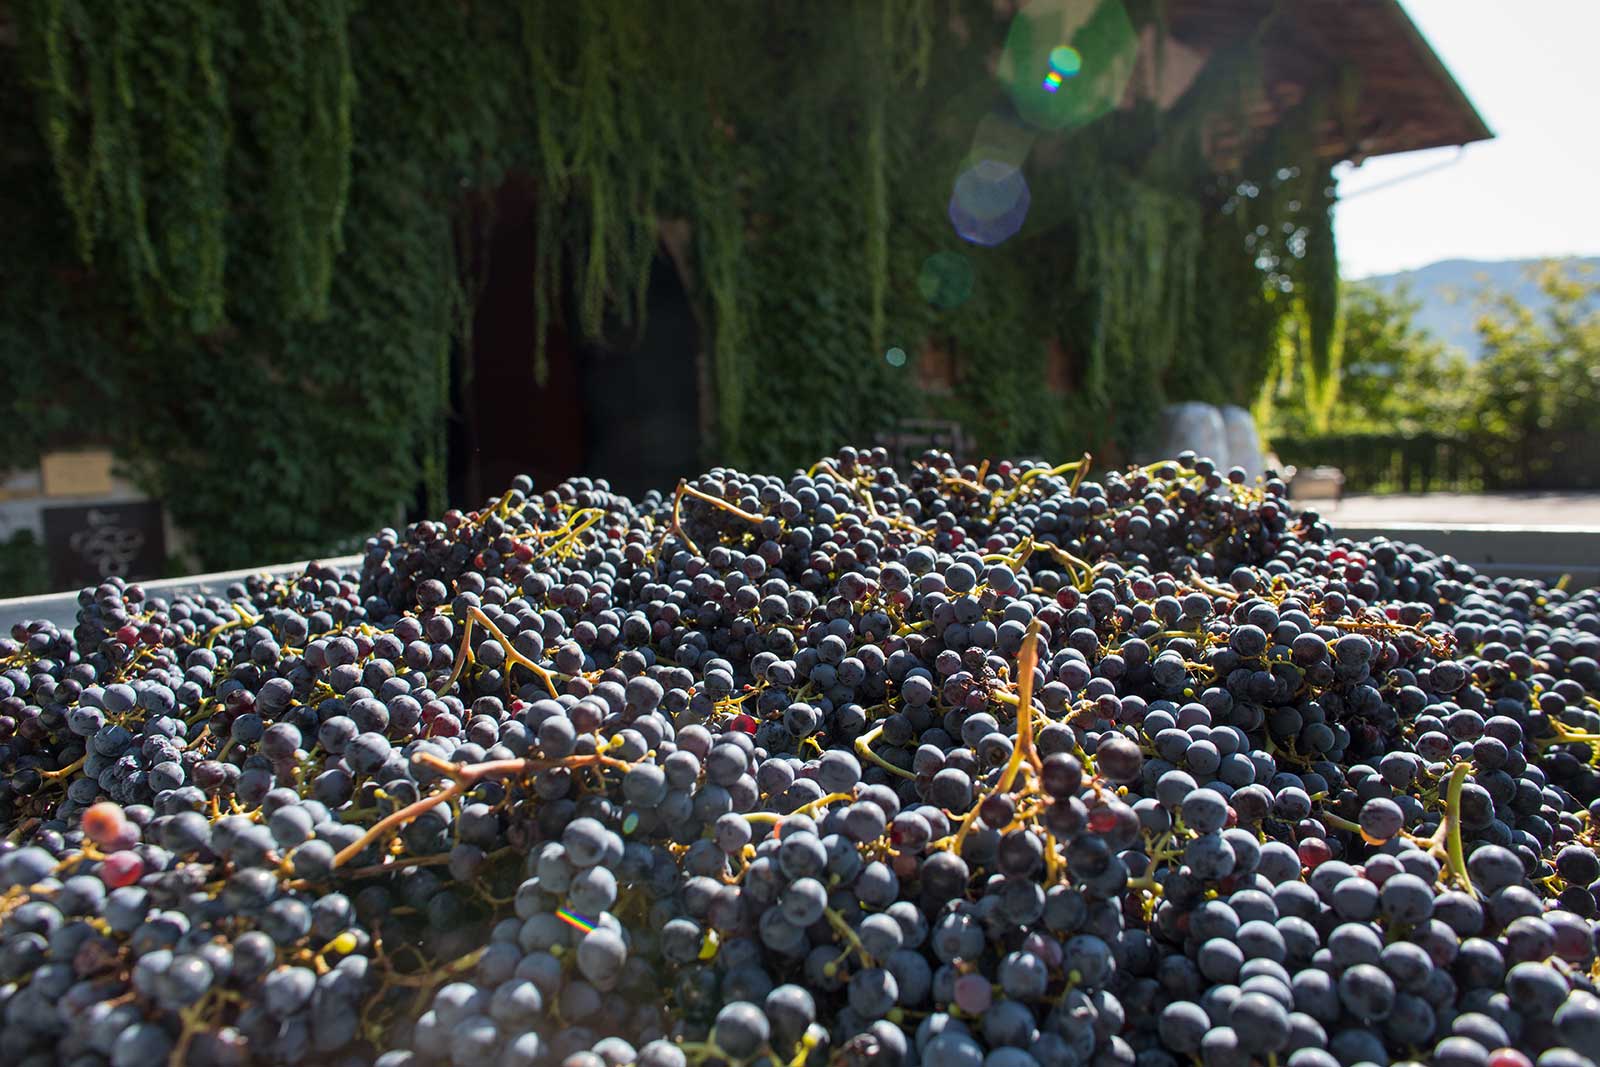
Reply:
x=574 y=919
x=990 y=202
x=1065 y=61
x=945 y=280
x=895 y=357
x=1068 y=62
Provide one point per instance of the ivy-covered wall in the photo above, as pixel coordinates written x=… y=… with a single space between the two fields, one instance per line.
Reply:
x=236 y=246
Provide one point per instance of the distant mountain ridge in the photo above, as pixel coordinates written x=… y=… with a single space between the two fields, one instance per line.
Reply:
x=1450 y=292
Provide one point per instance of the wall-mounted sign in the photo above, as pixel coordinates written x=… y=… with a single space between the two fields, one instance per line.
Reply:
x=89 y=544
x=83 y=473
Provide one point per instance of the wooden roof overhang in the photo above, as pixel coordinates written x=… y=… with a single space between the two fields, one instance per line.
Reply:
x=1388 y=90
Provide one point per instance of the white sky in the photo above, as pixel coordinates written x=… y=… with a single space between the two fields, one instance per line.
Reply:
x=1532 y=68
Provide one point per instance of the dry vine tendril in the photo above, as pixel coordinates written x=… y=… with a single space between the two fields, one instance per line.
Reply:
x=1000 y=764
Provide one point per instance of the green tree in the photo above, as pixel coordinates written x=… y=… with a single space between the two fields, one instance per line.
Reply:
x=1391 y=375
x=1535 y=409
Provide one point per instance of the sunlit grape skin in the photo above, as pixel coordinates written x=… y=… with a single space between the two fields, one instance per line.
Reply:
x=740 y=766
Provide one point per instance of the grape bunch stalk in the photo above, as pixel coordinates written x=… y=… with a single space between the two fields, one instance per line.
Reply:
x=998 y=765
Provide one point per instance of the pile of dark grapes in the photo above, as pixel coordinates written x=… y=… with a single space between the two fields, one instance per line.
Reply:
x=957 y=766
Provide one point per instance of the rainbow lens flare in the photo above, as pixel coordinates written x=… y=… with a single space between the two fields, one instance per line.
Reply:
x=1065 y=62
x=1090 y=43
x=575 y=920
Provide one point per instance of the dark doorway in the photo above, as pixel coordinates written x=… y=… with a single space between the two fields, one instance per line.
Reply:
x=625 y=408
x=507 y=423
x=641 y=427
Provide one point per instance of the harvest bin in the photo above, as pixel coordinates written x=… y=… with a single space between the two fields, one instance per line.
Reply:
x=1544 y=552
x=62 y=608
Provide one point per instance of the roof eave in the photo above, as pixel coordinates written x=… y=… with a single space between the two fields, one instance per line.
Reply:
x=1480 y=130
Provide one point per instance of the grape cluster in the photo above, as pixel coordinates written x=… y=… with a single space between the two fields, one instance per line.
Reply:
x=957 y=766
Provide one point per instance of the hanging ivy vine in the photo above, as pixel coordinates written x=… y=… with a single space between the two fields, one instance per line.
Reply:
x=303 y=140
x=134 y=109
x=244 y=232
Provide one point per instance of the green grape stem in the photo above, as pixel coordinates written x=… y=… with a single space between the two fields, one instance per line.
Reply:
x=1450 y=828
x=864 y=750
